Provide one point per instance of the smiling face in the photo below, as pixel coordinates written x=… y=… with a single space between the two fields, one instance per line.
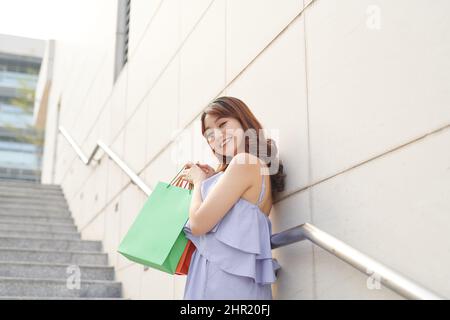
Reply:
x=224 y=135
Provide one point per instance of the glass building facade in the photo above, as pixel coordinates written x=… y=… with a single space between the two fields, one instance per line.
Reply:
x=20 y=153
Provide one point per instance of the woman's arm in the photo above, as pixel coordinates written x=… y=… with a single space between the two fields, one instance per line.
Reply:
x=237 y=178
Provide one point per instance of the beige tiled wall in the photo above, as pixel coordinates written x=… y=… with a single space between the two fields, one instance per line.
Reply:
x=361 y=117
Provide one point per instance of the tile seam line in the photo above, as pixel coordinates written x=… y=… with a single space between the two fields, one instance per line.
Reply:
x=310 y=202
x=90 y=88
x=359 y=164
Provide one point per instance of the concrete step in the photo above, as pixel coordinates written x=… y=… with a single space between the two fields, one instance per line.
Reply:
x=5 y=196
x=35 y=192
x=15 y=218
x=20 y=209
x=12 y=182
x=41 y=250
x=50 y=243
x=54 y=271
x=40 y=234
x=35 y=212
x=53 y=256
x=27 y=200
x=31 y=194
x=41 y=227
x=59 y=288
x=51 y=207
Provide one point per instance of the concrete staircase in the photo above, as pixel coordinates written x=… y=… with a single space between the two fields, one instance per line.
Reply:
x=41 y=251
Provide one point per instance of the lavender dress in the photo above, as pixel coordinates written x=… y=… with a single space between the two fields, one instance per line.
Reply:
x=234 y=259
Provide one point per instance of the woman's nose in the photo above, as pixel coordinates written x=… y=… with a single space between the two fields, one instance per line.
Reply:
x=218 y=134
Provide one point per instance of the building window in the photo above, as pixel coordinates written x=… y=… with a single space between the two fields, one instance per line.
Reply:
x=122 y=36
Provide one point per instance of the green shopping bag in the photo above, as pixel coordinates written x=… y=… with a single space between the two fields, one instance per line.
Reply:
x=156 y=237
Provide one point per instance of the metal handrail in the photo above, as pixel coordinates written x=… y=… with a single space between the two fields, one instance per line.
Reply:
x=122 y=165
x=388 y=277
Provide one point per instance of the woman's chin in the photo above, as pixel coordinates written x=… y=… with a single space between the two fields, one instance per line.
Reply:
x=227 y=151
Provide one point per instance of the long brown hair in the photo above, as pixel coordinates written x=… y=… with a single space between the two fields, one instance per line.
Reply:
x=232 y=107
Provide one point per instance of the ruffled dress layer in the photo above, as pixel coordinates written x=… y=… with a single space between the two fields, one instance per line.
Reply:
x=234 y=259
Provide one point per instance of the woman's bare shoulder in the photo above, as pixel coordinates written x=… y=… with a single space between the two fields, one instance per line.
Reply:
x=246 y=158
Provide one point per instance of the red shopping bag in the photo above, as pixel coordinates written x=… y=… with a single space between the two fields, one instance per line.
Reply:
x=185 y=260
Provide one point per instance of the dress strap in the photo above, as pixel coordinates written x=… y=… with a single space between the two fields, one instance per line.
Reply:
x=262 y=189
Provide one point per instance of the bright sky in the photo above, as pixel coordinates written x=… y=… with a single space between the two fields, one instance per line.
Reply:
x=40 y=19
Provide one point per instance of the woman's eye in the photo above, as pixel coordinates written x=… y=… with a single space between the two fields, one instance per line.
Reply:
x=222 y=124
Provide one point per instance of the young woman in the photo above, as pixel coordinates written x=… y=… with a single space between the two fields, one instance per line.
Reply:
x=229 y=212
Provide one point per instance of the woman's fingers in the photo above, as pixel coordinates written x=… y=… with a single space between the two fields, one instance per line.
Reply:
x=188 y=165
x=185 y=174
x=205 y=166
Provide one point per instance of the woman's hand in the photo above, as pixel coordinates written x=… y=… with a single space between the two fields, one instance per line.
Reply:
x=208 y=170
x=196 y=173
